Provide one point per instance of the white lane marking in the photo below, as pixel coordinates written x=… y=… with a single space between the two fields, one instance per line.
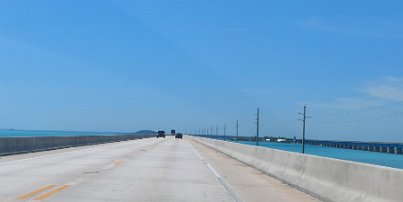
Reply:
x=214 y=171
x=220 y=179
x=70 y=152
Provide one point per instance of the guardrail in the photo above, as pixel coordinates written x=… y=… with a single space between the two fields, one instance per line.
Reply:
x=382 y=147
x=15 y=145
x=326 y=178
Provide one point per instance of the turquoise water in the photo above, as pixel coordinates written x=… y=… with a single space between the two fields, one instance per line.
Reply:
x=27 y=133
x=382 y=159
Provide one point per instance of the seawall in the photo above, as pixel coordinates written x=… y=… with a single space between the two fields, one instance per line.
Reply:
x=15 y=145
x=326 y=178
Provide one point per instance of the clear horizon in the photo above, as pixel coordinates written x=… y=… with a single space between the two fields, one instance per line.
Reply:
x=191 y=65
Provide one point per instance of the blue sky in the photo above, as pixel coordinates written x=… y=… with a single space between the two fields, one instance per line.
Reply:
x=130 y=65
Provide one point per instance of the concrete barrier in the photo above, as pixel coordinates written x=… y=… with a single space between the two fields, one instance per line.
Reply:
x=326 y=178
x=15 y=145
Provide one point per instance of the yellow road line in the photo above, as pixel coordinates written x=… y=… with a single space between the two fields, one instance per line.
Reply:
x=53 y=192
x=37 y=191
x=118 y=162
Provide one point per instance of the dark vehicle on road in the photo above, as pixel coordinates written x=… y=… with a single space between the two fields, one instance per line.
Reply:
x=173 y=132
x=161 y=133
x=179 y=135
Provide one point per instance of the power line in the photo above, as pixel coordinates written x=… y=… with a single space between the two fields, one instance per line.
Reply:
x=365 y=109
x=379 y=117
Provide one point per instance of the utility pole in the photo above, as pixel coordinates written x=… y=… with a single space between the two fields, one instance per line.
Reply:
x=225 y=128
x=257 y=127
x=211 y=134
x=237 y=127
x=304 y=117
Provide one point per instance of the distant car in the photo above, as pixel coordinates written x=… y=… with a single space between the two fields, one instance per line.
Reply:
x=179 y=135
x=173 y=132
x=161 y=133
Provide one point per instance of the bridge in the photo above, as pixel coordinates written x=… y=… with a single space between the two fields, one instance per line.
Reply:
x=382 y=147
x=147 y=169
x=189 y=169
x=391 y=148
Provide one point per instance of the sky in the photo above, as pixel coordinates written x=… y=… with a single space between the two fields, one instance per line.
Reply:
x=116 y=65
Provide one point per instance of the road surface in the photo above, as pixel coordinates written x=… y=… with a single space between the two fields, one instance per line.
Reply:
x=139 y=170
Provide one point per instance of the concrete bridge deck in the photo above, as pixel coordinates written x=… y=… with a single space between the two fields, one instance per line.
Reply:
x=138 y=170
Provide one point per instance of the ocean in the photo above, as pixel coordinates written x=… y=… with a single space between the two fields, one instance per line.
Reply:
x=376 y=158
x=32 y=133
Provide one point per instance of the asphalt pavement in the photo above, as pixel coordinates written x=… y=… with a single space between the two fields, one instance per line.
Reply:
x=163 y=169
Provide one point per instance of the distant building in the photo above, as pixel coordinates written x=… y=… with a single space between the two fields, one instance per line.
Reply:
x=281 y=140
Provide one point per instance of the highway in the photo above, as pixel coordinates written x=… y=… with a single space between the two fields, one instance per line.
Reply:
x=139 y=170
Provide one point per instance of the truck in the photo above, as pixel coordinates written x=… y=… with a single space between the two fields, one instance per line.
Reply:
x=161 y=133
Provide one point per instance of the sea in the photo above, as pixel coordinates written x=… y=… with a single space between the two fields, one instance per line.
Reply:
x=376 y=158
x=37 y=133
